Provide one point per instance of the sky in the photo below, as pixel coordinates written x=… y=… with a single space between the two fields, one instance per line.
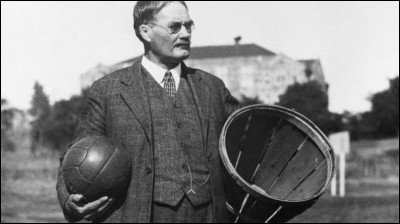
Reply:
x=55 y=42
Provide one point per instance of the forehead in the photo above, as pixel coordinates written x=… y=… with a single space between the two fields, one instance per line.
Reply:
x=174 y=11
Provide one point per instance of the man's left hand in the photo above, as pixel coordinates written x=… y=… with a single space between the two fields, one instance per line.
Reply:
x=100 y=211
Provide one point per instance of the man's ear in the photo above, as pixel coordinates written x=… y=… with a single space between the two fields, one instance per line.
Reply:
x=145 y=32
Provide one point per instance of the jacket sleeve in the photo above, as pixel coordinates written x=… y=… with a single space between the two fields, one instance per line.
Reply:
x=91 y=123
x=231 y=104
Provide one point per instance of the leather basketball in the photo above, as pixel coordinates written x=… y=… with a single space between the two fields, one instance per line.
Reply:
x=96 y=167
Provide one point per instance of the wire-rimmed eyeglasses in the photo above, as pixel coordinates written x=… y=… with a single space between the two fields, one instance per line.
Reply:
x=176 y=27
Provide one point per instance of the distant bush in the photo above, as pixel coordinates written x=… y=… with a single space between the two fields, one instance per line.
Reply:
x=246 y=101
x=6 y=125
x=311 y=100
x=53 y=126
x=382 y=121
x=62 y=122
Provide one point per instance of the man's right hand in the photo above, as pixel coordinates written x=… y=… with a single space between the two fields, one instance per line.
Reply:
x=76 y=207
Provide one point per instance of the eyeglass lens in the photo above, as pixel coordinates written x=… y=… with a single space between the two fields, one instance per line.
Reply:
x=176 y=27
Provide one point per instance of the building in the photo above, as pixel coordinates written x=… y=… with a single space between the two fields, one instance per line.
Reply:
x=247 y=70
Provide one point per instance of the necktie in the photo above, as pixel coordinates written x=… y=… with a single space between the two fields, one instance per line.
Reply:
x=169 y=84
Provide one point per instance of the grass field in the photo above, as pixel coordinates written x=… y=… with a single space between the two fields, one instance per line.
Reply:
x=28 y=189
x=353 y=209
x=28 y=195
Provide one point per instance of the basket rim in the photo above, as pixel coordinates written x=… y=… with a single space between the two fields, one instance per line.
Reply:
x=297 y=118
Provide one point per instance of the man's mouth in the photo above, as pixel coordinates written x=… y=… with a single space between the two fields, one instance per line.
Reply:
x=185 y=45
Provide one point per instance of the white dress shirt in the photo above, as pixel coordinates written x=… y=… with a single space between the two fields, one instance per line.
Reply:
x=158 y=72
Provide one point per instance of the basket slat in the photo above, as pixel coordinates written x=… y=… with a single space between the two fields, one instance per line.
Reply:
x=314 y=183
x=302 y=164
x=274 y=160
x=235 y=137
x=258 y=134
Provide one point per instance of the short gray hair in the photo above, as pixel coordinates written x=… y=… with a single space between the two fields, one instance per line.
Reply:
x=145 y=11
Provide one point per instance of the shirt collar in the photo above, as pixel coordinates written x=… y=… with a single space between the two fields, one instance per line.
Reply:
x=158 y=72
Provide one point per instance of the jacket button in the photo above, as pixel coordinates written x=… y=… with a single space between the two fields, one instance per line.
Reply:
x=148 y=170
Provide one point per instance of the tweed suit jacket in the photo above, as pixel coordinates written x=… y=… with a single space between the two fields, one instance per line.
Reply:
x=118 y=107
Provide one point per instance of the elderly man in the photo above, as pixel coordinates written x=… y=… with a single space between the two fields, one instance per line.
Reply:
x=168 y=117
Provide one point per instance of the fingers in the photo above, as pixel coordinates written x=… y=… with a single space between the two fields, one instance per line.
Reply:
x=105 y=206
x=72 y=203
x=94 y=205
x=75 y=203
x=100 y=211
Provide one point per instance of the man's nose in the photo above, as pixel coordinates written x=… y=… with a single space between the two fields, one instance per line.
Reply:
x=184 y=32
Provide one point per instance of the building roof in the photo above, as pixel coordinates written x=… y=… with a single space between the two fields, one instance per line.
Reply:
x=223 y=51
x=308 y=62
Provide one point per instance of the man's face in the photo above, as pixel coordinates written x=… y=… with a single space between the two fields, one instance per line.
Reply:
x=171 y=48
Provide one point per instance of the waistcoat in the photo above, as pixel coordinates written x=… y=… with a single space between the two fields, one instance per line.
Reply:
x=179 y=154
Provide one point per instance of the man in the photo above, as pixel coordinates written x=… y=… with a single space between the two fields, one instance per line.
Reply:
x=168 y=117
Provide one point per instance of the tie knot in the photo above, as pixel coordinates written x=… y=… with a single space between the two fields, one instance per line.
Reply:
x=169 y=84
x=167 y=76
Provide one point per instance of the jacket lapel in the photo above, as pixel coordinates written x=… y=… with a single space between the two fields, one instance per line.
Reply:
x=135 y=96
x=201 y=94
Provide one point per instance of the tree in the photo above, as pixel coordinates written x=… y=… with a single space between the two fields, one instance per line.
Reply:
x=385 y=111
x=382 y=121
x=311 y=100
x=40 y=110
x=246 y=101
x=7 y=115
x=358 y=125
x=63 y=121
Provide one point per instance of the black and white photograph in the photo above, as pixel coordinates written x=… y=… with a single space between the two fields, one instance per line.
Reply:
x=200 y=111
